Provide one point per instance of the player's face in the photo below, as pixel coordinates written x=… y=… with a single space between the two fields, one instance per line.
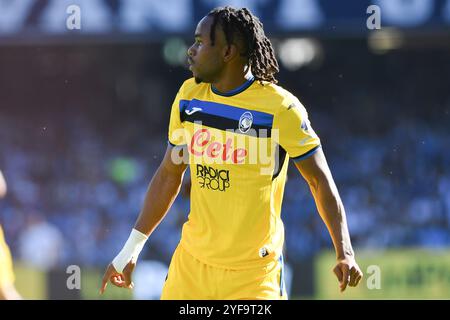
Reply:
x=206 y=61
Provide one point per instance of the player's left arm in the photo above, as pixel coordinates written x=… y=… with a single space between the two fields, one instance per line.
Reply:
x=316 y=172
x=2 y=186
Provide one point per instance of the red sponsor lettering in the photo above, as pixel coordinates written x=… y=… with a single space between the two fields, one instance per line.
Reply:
x=201 y=143
x=197 y=140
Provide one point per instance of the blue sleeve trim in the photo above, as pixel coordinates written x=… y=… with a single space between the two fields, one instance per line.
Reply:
x=307 y=154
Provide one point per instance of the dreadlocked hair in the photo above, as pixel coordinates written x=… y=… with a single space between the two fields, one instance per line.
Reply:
x=241 y=24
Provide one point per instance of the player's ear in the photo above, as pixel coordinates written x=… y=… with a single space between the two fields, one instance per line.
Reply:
x=229 y=52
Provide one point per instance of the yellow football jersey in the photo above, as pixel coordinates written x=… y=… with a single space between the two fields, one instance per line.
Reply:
x=239 y=144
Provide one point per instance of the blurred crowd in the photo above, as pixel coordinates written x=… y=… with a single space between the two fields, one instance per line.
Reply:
x=77 y=183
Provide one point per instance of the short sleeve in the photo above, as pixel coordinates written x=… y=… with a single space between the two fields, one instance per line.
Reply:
x=295 y=133
x=176 y=135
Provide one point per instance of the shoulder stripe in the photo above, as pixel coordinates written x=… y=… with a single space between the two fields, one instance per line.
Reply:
x=225 y=117
x=224 y=110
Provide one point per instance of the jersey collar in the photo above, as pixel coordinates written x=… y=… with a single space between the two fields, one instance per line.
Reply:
x=235 y=91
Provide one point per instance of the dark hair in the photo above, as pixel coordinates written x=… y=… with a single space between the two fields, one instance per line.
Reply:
x=242 y=24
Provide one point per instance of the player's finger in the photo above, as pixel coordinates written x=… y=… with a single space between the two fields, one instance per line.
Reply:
x=118 y=281
x=127 y=272
x=127 y=283
x=123 y=281
x=103 y=286
x=345 y=277
x=354 y=273
x=105 y=279
x=337 y=271
x=358 y=279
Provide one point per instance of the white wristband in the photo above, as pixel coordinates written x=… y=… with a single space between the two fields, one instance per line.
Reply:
x=130 y=250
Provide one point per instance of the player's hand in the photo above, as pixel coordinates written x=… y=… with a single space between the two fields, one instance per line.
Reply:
x=348 y=272
x=121 y=280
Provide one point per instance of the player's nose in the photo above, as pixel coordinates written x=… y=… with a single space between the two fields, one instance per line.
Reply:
x=191 y=51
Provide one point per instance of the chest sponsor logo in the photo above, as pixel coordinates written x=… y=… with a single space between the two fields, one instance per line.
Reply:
x=201 y=144
x=210 y=146
x=213 y=179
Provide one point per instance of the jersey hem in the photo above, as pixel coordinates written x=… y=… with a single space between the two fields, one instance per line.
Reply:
x=216 y=265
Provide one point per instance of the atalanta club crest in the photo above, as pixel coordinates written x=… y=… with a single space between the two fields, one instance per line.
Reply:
x=245 y=122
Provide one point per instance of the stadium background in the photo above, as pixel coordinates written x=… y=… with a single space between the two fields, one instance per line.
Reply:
x=83 y=126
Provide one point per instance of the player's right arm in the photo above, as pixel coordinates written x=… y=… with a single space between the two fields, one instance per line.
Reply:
x=161 y=193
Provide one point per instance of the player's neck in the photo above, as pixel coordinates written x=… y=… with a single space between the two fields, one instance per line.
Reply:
x=231 y=80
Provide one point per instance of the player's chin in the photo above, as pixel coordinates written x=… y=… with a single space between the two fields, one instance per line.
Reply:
x=197 y=79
